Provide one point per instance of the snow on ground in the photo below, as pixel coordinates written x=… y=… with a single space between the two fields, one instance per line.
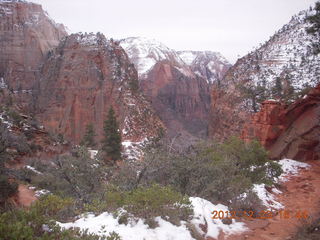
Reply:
x=267 y=198
x=138 y=230
x=202 y=216
x=134 y=150
x=93 y=153
x=289 y=168
x=33 y=169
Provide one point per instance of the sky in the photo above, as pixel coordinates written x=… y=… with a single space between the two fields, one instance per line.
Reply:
x=231 y=27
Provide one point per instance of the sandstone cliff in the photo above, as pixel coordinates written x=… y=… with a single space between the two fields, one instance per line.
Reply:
x=285 y=67
x=288 y=131
x=26 y=35
x=81 y=79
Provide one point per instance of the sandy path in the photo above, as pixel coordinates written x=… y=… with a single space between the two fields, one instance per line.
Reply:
x=25 y=196
x=301 y=192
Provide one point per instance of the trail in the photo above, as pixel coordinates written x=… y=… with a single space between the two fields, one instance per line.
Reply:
x=300 y=192
x=25 y=196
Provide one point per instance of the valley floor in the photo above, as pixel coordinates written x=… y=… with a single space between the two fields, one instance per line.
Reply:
x=300 y=192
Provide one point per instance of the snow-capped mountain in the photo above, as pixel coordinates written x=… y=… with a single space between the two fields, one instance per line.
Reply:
x=207 y=64
x=287 y=55
x=284 y=67
x=145 y=53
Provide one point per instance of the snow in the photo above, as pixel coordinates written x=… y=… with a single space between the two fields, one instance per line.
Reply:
x=145 y=53
x=2 y=83
x=188 y=57
x=134 y=150
x=267 y=198
x=41 y=192
x=33 y=169
x=202 y=216
x=291 y=167
x=93 y=153
x=137 y=229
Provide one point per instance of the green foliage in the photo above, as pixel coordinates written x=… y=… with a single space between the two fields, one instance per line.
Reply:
x=144 y=202
x=16 y=117
x=88 y=139
x=34 y=223
x=315 y=28
x=256 y=94
x=77 y=176
x=7 y=189
x=219 y=172
x=111 y=144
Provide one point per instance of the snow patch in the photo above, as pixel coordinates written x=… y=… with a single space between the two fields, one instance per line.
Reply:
x=291 y=167
x=137 y=229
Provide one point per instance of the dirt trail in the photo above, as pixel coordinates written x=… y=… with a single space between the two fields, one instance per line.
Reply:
x=25 y=196
x=301 y=192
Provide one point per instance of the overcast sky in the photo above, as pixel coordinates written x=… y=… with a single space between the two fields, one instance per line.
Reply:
x=232 y=27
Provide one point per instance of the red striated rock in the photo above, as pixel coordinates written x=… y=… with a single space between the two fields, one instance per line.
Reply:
x=288 y=132
x=182 y=101
x=81 y=79
x=26 y=36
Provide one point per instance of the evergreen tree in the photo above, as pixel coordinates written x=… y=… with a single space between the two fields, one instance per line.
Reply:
x=88 y=139
x=315 y=28
x=111 y=145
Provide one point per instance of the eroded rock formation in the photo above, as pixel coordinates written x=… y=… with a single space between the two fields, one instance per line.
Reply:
x=288 y=131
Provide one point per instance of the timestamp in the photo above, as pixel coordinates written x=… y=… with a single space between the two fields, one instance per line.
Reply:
x=267 y=214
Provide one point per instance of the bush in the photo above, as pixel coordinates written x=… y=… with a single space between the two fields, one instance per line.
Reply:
x=144 y=202
x=7 y=189
x=76 y=176
x=219 y=172
x=39 y=223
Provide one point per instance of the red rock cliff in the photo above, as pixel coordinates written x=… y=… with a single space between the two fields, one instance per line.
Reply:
x=81 y=79
x=26 y=36
x=288 y=132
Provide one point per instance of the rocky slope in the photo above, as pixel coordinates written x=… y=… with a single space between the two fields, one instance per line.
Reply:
x=180 y=97
x=283 y=68
x=288 y=131
x=27 y=34
x=81 y=79
x=211 y=66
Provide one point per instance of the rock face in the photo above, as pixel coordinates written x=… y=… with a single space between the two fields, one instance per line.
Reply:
x=282 y=68
x=180 y=97
x=211 y=66
x=26 y=35
x=288 y=131
x=81 y=79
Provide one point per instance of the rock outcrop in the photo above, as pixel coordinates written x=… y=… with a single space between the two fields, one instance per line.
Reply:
x=288 y=131
x=81 y=79
x=284 y=67
x=180 y=97
x=211 y=66
x=26 y=35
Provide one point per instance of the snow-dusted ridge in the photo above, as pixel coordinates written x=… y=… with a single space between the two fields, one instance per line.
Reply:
x=145 y=53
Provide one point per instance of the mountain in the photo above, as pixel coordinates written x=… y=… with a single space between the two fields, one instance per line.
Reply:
x=209 y=65
x=284 y=68
x=144 y=53
x=81 y=79
x=180 y=97
x=27 y=33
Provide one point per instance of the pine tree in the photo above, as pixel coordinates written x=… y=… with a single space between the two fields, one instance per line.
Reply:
x=88 y=139
x=315 y=28
x=111 y=145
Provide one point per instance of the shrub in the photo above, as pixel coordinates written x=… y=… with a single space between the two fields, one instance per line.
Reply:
x=144 y=202
x=38 y=222
x=219 y=172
